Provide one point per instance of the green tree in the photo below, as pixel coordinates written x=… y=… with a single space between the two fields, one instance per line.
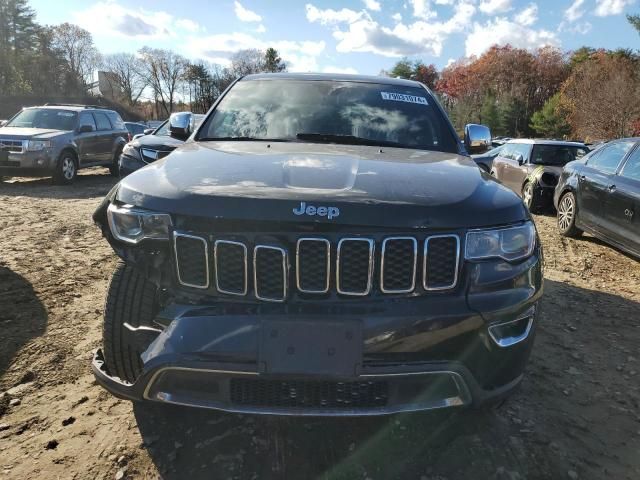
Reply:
x=634 y=20
x=402 y=69
x=18 y=39
x=272 y=61
x=550 y=121
x=490 y=115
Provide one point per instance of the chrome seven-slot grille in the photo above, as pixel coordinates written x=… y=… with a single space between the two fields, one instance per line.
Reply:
x=350 y=266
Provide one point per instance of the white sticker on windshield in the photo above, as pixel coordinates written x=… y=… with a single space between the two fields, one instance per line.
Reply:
x=401 y=97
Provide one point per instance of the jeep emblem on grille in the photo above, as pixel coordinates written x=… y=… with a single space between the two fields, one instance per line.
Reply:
x=311 y=210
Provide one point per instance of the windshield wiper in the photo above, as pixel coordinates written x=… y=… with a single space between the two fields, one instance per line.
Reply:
x=348 y=140
x=242 y=139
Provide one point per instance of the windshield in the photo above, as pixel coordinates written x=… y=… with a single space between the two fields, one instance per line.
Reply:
x=556 y=154
x=331 y=112
x=48 y=118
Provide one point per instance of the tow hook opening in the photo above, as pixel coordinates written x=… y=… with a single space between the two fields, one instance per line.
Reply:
x=512 y=332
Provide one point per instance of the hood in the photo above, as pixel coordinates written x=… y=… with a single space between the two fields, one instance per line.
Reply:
x=157 y=142
x=370 y=186
x=27 y=133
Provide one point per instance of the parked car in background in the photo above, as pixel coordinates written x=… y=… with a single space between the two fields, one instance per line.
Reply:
x=485 y=160
x=531 y=168
x=499 y=141
x=135 y=129
x=321 y=245
x=146 y=149
x=56 y=140
x=600 y=194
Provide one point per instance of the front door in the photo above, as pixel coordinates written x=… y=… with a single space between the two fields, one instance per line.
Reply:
x=595 y=181
x=87 y=141
x=622 y=207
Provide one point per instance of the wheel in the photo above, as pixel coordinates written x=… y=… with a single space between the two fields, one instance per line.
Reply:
x=66 y=169
x=114 y=168
x=131 y=300
x=567 y=210
x=529 y=197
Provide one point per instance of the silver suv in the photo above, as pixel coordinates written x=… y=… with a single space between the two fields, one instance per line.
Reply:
x=56 y=140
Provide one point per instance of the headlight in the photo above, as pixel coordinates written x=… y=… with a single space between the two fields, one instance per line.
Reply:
x=132 y=225
x=131 y=151
x=513 y=243
x=37 y=145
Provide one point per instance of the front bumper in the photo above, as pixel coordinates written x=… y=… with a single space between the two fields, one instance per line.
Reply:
x=28 y=164
x=421 y=353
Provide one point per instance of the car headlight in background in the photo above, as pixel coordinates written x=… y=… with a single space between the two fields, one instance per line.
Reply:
x=131 y=151
x=511 y=244
x=131 y=225
x=38 y=145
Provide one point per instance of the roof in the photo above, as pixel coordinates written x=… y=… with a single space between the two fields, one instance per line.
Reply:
x=340 y=77
x=74 y=108
x=542 y=141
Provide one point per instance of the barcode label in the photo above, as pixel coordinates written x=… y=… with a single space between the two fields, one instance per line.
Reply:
x=401 y=97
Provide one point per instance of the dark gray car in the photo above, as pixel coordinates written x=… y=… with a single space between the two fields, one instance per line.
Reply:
x=57 y=140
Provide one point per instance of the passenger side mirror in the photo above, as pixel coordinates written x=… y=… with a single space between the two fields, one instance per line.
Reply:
x=85 y=129
x=3 y=123
x=520 y=159
x=180 y=125
x=148 y=131
x=477 y=138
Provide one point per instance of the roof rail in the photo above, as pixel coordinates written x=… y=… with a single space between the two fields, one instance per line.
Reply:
x=75 y=105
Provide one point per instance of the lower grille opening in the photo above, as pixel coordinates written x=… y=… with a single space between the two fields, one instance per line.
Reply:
x=309 y=393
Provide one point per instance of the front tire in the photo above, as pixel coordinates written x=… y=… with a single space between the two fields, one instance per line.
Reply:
x=131 y=300
x=567 y=212
x=66 y=169
x=529 y=197
x=114 y=168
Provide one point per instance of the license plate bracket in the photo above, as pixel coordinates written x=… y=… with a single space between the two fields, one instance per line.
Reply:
x=311 y=347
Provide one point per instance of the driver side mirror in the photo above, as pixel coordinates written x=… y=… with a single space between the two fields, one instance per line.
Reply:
x=477 y=138
x=520 y=159
x=85 y=129
x=147 y=131
x=3 y=123
x=180 y=125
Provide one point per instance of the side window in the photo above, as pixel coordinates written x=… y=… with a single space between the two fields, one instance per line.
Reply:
x=609 y=157
x=521 y=149
x=102 y=121
x=87 y=119
x=116 y=120
x=631 y=168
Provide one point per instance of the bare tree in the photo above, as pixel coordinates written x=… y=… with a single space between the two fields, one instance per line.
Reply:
x=246 y=62
x=163 y=70
x=76 y=46
x=602 y=96
x=127 y=70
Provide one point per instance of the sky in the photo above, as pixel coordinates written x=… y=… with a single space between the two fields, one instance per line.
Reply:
x=348 y=36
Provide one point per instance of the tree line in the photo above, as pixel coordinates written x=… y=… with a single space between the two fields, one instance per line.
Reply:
x=589 y=94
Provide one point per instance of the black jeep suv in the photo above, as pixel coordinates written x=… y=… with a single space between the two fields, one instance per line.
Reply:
x=56 y=140
x=321 y=245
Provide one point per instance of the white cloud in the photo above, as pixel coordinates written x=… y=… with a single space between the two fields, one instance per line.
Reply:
x=528 y=16
x=244 y=14
x=109 y=18
x=334 y=69
x=300 y=56
x=581 y=28
x=501 y=31
x=372 y=5
x=574 y=12
x=261 y=28
x=363 y=34
x=605 y=8
x=422 y=9
x=397 y=17
x=493 y=7
x=330 y=16
x=450 y=62
x=188 y=25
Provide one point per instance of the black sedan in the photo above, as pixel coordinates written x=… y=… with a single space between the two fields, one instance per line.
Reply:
x=600 y=194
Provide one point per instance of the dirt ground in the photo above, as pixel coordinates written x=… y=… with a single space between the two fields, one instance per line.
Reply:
x=577 y=414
